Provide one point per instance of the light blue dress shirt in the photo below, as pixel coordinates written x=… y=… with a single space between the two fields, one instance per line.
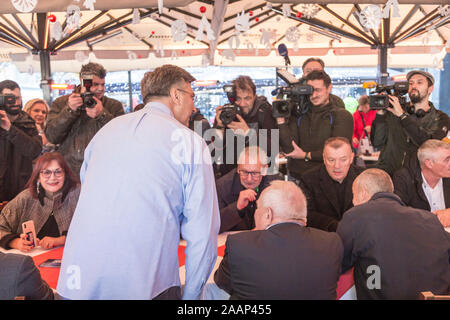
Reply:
x=146 y=179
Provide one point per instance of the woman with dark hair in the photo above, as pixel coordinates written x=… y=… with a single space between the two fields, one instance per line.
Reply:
x=49 y=200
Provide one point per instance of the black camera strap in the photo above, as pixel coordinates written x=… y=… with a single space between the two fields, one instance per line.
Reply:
x=364 y=123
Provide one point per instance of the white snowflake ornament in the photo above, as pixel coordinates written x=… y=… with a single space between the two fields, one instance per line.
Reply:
x=24 y=5
x=89 y=4
x=73 y=17
x=131 y=55
x=57 y=31
x=266 y=36
x=444 y=10
x=178 y=30
x=204 y=24
x=286 y=9
x=370 y=17
x=387 y=8
x=293 y=34
x=242 y=23
x=309 y=11
x=136 y=16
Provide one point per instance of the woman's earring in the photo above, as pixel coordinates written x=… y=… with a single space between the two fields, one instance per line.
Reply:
x=38 y=185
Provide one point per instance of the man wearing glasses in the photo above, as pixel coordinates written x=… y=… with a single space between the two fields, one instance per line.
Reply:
x=239 y=189
x=147 y=179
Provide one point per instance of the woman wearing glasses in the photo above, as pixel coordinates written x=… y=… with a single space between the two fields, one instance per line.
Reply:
x=49 y=199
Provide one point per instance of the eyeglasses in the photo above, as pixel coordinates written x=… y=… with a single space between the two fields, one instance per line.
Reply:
x=245 y=174
x=192 y=95
x=47 y=173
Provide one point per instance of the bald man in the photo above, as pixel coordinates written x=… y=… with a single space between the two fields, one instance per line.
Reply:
x=281 y=258
x=397 y=251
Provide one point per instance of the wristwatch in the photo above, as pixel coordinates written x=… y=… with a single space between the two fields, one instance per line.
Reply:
x=403 y=115
x=307 y=158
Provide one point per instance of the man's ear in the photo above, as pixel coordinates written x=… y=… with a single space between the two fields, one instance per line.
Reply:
x=269 y=215
x=173 y=92
x=428 y=163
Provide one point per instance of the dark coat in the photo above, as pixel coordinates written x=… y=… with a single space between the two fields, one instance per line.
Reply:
x=18 y=148
x=74 y=130
x=228 y=190
x=399 y=140
x=286 y=261
x=408 y=186
x=310 y=133
x=259 y=117
x=20 y=277
x=410 y=247
x=324 y=211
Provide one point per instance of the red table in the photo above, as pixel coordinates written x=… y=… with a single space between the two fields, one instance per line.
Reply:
x=50 y=275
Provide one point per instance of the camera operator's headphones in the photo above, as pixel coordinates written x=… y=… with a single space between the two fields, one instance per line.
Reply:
x=419 y=113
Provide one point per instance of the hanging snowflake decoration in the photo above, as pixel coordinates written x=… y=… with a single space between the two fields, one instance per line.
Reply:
x=286 y=9
x=204 y=25
x=293 y=34
x=80 y=56
x=160 y=6
x=266 y=37
x=136 y=16
x=160 y=48
x=73 y=17
x=387 y=9
x=242 y=23
x=89 y=4
x=370 y=17
x=174 y=55
x=131 y=55
x=309 y=11
x=57 y=31
x=24 y=5
x=444 y=10
x=178 y=30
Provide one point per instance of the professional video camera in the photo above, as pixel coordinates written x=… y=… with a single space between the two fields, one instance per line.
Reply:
x=7 y=100
x=88 y=96
x=229 y=111
x=291 y=99
x=379 y=101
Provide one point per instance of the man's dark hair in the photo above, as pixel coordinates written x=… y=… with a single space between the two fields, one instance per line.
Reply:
x=244 y=83
x=319 y=75
x=8 y=84
x=311 y=60
x=93 y=68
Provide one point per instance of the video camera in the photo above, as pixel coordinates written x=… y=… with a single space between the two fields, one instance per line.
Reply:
x=379 y=101
x=230 y=111
x=88 y=96
x=7 y=100
x=291 y=99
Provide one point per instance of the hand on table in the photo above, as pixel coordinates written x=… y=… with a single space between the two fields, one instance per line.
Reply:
x=50 y=242
x=245 y=197
x=21 y=243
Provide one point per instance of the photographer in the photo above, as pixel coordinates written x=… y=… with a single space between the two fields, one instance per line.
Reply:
x=302 y=137
x=256 y=114
x=20 y=142
x=399 y=132
x=74 y=119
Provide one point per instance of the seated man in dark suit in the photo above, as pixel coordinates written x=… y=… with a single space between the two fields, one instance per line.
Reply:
x=397 y=251
x=238 y=190
x=328 y=188
x=19 y=277
x=281 y=258
x=425 y=183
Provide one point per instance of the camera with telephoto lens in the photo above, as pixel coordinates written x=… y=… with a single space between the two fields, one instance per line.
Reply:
x=230 y=111
x=7 y=100
x=379 y=101
x=88 y=96
x=292 y=99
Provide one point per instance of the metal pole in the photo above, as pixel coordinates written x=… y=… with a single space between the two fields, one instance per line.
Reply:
x=382 y=75
x=46 y=75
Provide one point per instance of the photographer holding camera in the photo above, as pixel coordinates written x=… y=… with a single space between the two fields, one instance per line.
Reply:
x=74 y=119
x=400 y=132
x=303 y=133
x=20 y=142
x=246 y=112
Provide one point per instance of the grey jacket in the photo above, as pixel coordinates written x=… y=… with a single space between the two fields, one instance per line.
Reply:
x=24 y=207
x=74 y=130
x=20 y=277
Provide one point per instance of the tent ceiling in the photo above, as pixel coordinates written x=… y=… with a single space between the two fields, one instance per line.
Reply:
x=148 y=44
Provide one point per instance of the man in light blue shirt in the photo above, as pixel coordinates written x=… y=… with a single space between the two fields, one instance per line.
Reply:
x=146 y=179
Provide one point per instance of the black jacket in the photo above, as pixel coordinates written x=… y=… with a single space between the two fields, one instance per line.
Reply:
x=310 y=133
x=20 y=277
x=260 y=117
x=409 y=247
x=408 y=186
x=324 y=211
x=399 y=140
x=18 y=148
x=228 y=189
x=74 y=130
x=284 y=262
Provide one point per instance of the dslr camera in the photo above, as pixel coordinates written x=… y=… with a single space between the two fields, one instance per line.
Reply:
x=7 y=100
x=88 y=96
x=230 y=111
x=292 y=99
x=379 y=101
